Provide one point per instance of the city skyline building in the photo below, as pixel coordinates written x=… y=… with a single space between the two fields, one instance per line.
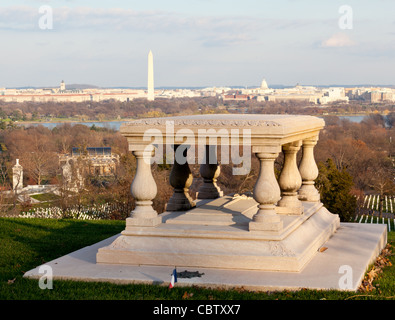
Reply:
x=62 y=86
x=151 y=92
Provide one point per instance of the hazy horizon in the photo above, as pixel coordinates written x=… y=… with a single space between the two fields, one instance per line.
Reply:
x=273 y=86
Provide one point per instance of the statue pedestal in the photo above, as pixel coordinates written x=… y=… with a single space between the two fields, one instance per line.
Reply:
x=216 y=234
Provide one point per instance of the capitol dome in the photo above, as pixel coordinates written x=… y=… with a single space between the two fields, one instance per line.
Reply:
x=264 y=84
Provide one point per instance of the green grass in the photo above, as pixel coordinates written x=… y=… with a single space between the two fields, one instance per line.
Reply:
x=27 y=243
x=45 y=197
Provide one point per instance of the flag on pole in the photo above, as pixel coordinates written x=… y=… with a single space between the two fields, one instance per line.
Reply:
x=173 y=279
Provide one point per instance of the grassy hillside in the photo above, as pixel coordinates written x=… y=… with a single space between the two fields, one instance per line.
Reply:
x=27 y=243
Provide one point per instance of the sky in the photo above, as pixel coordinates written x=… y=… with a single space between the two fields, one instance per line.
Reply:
x=197 y=43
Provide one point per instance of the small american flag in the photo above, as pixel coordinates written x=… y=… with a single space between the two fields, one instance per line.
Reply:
x=173 y=279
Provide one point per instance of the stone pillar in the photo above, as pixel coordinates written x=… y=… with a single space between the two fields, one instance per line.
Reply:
x=290 y=181
x=180 y=179
x=144 y=190
x=309 y=171
x=267 y=194
x=17 y=177
x=210 y=171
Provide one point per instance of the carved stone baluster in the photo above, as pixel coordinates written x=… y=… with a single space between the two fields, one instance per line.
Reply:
x=309 y=171
x=210 y=171
x=290 y=181
x=267 y=194
x=144 y=190
x=180 y=179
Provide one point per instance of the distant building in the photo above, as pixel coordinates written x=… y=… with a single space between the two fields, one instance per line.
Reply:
x=372 y=95
x=279 y=97
x=336 y=94
x=264 y=85
x=151 y=91
x=236 y=97
x=62 y=86
x=97 y=160
x=55 y=95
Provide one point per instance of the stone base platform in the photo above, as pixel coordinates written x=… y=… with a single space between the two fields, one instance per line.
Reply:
x=215 y=234
x=354 y=246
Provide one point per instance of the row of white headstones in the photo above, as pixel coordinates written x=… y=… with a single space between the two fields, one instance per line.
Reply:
x=365 y=218
x=372 y=201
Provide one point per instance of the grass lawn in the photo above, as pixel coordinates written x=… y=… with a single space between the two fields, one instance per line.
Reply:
x=45 y=197
x=27 y=243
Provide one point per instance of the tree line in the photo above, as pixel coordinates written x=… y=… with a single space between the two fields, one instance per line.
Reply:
x=353 y=158
x=142 y=108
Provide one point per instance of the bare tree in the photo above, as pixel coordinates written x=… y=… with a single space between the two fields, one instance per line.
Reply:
x=382 y=179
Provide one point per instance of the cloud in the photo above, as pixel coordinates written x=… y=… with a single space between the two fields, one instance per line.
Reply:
x=25 y=18
x=207 y=30
x=338 y=40
x=18 y=18
x=223 y=30
x=225 y=40
x=82 y=18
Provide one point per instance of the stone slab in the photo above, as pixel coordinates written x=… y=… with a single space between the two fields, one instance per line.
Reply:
x=354 y=245
x=222 y=218
x=265 y=133
x=225 y=246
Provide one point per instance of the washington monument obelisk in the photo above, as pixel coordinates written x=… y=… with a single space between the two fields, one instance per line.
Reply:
x=151 y=94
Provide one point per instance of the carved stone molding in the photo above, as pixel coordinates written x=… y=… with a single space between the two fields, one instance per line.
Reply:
x=204 y=122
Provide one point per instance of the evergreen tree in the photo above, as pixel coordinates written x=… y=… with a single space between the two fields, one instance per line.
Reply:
x=335 y=188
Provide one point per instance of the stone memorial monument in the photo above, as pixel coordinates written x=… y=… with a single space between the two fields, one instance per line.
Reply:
x=17 y=177
x=269 y=240
x=279 y=229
